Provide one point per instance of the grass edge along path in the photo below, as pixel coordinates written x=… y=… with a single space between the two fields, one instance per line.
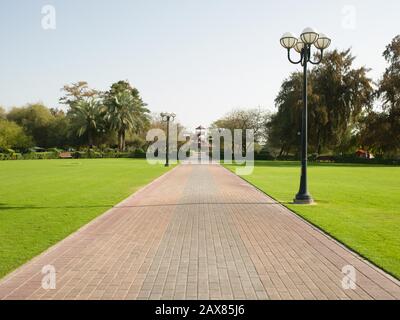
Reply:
x=356 y=204
x=44 y=201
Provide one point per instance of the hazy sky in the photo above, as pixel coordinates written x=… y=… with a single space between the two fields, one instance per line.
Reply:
x=198 y=59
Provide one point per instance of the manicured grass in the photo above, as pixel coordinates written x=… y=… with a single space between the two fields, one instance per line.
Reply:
x=357 y=204
x=43 y=201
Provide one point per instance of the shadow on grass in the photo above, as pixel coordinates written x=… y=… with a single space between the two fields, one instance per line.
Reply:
x=30 y=207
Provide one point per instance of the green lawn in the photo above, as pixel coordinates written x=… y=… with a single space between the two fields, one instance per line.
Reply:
x=357 y=204
x=43 y=201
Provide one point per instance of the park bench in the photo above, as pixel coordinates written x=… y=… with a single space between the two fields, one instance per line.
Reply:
x=65 y=155
x=325 y=159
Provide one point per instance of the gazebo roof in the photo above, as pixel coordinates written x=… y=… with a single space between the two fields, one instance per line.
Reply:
x=200 y=128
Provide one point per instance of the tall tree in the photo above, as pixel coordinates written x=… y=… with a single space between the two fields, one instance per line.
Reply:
x=343 y=93
x=389 y=85
x=76 y=92
x=120 y=115
x=285 y=125
x=380 y=129
x=35 y=119
x=3 y=113
x=59 y=130
x=13 y=136
x=375 y=133
x=338 y=95
x=86 y=117
x=254 y=119
x=125 y=111
x=85 y=111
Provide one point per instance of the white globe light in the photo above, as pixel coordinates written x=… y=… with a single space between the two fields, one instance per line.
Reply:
x=299 y=45
x=322 y=42
x=288 y=40
x=309 y=35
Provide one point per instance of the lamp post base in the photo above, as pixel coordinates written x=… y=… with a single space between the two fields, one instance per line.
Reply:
x=303 y=199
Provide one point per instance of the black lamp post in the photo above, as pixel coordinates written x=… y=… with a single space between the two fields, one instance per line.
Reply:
x=187 y=138
x=308 y=38
x=199 y=131
x=210 y=150
x=167 y=117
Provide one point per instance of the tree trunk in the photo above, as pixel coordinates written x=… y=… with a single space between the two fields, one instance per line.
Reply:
x=318 y=143
x=123 y=140
x=282 y=149
x=120 y=141
x=90 y=138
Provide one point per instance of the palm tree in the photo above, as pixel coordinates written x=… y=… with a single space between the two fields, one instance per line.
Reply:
x=86 y=115
x=125 y=112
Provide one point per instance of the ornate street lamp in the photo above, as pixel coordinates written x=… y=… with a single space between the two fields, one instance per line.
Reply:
x=308 y=38
x=167 y=117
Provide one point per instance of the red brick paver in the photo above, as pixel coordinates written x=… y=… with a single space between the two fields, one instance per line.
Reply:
x=199 y=232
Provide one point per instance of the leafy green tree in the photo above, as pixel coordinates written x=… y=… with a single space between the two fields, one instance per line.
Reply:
x=59 y=130
x=125 y=111
x=285 y=125
x=35 y=119
x=76 y=92
x=343 y=94
x=86 y=117
x=13 y=136
x=380 y=130
x=3 y=113
x=374 y=134
x=338 y=96
x=389 y=85
x=120 y=115
x=254 y=119
x=141 y=112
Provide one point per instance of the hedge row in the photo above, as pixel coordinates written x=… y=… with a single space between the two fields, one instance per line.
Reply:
x=353 y=159
x=140 y=154
x=11 y=156
x=108 y=154
x=76 y=155
x=313 y=158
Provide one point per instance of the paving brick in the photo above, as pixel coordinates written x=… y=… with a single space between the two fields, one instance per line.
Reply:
x=199 y=232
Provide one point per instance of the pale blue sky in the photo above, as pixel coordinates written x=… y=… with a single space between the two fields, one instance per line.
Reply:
x=198 y=59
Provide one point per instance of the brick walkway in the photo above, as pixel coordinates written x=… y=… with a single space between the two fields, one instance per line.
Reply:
x=199 y=232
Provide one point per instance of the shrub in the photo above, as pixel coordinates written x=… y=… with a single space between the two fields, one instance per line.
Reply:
x=40 y=155
x=139 y=153
x=351 y=158
x=288 y=158
x=11 y=156
x=92 y=154
x=55 y=150
x=263 y=154
x=4 y=156
x=16 y=156
x=13 y=135
x=110 y=153
x=8 y=151
x=89 y=154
